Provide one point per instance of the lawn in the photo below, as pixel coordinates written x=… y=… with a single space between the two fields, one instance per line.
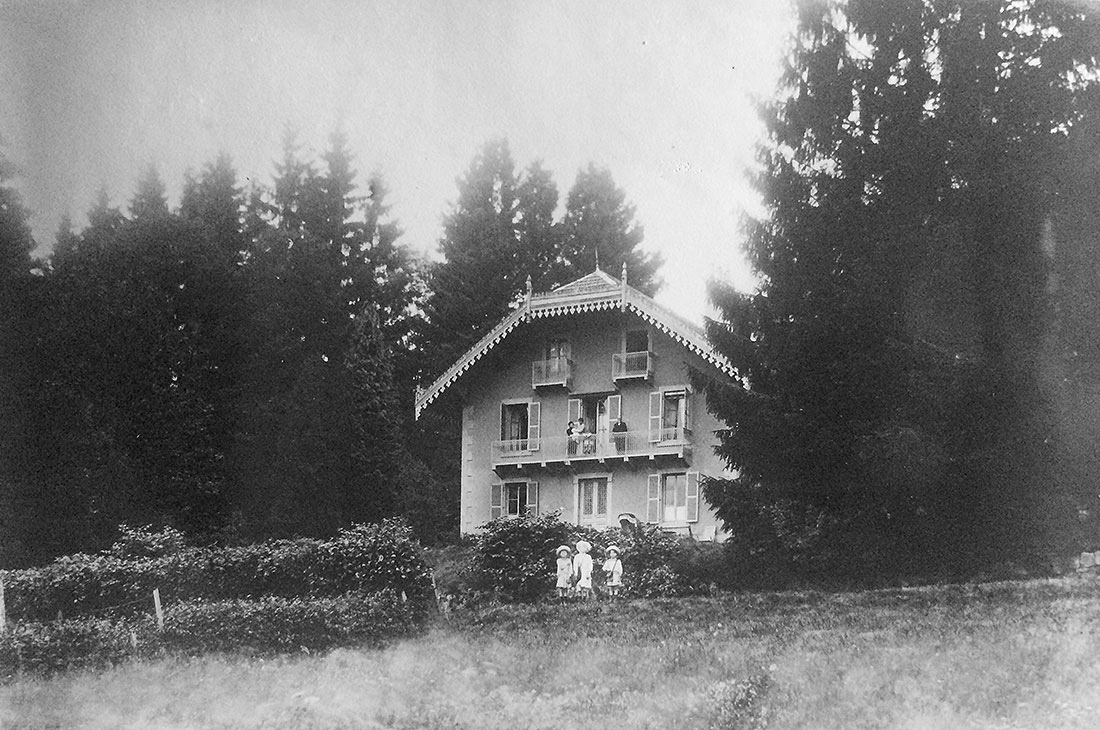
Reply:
x=1000 y=655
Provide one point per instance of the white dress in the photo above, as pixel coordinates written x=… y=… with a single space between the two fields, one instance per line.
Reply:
x=565 y=572
x=582 y=567
x=613 y=567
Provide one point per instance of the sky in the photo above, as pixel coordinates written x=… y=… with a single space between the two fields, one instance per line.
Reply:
x=661 y=94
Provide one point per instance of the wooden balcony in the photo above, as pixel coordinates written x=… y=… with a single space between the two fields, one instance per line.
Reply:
x=557 y=371
x=674 y=443
x=632 y=365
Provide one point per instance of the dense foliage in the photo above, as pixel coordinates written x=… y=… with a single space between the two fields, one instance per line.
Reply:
x=242 y=367
x=894 y=406
x=274 y=624
x=363 y=558
x=513 y=559
x=267 y=625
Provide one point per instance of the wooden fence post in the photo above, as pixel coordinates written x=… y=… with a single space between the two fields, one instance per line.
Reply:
x=160 y=612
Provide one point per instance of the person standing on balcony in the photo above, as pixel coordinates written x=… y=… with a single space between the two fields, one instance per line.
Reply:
x=587 y=438
x=618 y=432
x=571 y=438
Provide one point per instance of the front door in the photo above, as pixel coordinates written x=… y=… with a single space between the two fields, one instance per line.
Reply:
x=592 y=501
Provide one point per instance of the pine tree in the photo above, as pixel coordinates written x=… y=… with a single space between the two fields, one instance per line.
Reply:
x=150 y=202
x=481 y=275
x=599 y=225
x=215 y=202
x=889 y=361
x=16 y=315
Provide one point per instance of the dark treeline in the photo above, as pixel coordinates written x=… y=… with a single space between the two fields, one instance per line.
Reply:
x=921 y=362
x=243 y=366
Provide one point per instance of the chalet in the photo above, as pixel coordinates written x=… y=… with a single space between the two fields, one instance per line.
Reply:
x=596 y=352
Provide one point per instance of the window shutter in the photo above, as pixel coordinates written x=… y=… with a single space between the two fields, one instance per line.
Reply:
x=655 y=404
x=503 y=434
x=653 y=500
x=496 y=501
x=533 y=498
x=693 y=496
x=687 y=412
x=534 y=425
x=574 y=409
x=614 y=408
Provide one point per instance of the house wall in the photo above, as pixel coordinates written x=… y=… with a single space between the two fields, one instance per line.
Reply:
x=505 y=375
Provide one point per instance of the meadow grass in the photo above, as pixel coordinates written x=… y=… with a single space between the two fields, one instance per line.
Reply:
x=1002 y=655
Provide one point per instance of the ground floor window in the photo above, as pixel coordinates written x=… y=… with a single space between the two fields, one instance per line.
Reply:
x=673 y=498
x=512 y=499
x=592 y=500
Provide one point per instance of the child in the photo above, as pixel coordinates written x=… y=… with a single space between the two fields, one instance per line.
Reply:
x=582 y=569
x=565 y=571
x=613 y=571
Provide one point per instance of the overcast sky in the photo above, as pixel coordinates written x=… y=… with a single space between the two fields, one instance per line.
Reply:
x=91 y=93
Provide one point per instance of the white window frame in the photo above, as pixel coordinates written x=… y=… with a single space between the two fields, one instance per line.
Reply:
x=657 y=414
x=499 y=502
x=534 y=422
x=577 y=517
x=655 y=492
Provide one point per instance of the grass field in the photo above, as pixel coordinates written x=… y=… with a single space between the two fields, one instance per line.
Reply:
x=1002 y=655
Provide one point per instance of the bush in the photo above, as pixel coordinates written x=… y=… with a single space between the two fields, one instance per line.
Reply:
x=514 y=559
x=363 y=558
x=274 y=624
x=143 y=542
x=268 y=625
x=49 y=647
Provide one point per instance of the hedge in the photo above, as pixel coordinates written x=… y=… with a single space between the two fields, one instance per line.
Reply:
x=265 y=626
x=274 y=624
x=43 y=648
x=513 y=559
x=362 y=558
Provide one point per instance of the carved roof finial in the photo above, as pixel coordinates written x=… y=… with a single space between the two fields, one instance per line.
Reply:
x=624 y=274
x=597 y=258
x=528 y=289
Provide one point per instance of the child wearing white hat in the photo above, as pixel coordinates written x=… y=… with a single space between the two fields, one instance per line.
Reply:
x=582 y=569
x=613 y=571
x=565 y=570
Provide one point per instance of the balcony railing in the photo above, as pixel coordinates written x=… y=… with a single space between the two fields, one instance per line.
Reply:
x=594 y=446
x=632 y=365
x=555 y=371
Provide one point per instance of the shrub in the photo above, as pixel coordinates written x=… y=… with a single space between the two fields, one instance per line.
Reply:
x=143 y=542
x=514 y=558
x=362 y=558
x=268 y=625
x=275 y=624
x=50 y=647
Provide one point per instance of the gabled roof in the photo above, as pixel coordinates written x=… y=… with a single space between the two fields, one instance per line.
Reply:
x=590 y=293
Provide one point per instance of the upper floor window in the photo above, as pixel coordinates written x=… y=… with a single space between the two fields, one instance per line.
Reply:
x=636 y=359
x=670 y=415
x=520 y=425
x=636 y=340
x=554 y=366
x=556 y=352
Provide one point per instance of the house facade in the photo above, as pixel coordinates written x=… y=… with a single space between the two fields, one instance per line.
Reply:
x=606 y=358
